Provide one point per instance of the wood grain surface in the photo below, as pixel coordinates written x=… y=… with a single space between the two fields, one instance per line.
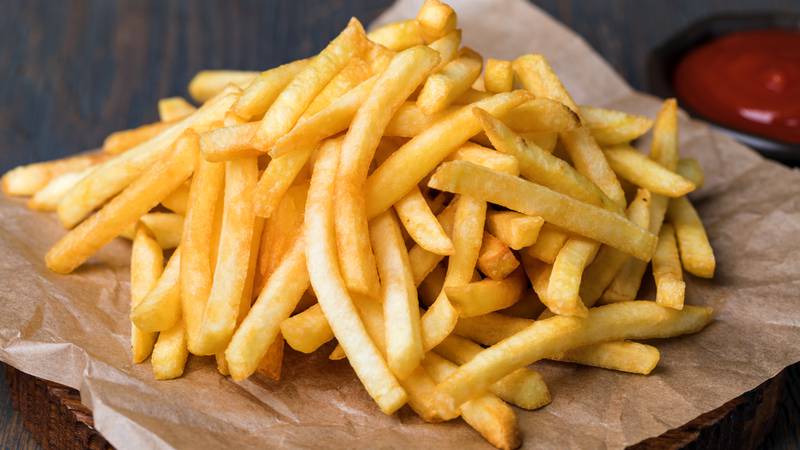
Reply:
x=72 y=71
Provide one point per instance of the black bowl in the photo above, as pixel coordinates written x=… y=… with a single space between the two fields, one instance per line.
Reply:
x=663 y=60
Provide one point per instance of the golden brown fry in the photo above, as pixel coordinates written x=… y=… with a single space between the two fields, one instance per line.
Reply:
x=445 y=86
x=485 y=412
x=421 y=224
x=207 y=84
x=642 y=171
x=544 y=338
x=481 y=297
x=416 y=159
x=467 y=234
x=541 y=115
x=664 y=149
x=170 y=353
x=281 y=230
x=565 y=279
x=697 y=255
x=549 y=242
x=423 y=261
x=496 y=260
x=48 y=197
x=308 y=330
x=691 y=169
x=514 y=229
x=398 y=36
x=670 y=288
x=114 y=175
x=591 y=162
x=120 y=141
x=410 y=121
x=141 y=196
x=498 y=76
x=261 y=327
x=174 y=108
x=404 y=350
x=160 y=308
x=529 y=198
x=536 y=75
x=262 y=91
x=271 y=364
x=447 y=46
x=166 y=227
x=486 y=157
x=300 y=92
x=524 y=388
x=354 y=73
x=147 y=262
x=29 y=179
x=436 y=19
x=333 y=297
x=279 y=175
x=609 y=127
x=405 y=72
x=230 y=142
x=236 y=235
x=624 y=356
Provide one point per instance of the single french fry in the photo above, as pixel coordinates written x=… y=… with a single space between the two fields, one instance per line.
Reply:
x=409 y=120
x=300 y=92
x=421 y=224
x=166 y=227
x=170 y=353
x=541 y=115
x=275 y=303
x=486 y=157
x=498 y=76
x=174 y=108
x=160 y=309
x=29 y=179
x=484 y=412
x=540 y=166
x=623 y=356
x=514 y=229
x=524 y=387
x=664 y=149
x=691 y=169
x=147 y=261
x=405 y=72
x=536 y=75
x=592 y=163
x=565 y=279
x=436 y=19
x=404 y=350
x=553 y=336
x=207 y=84
x=236 y=233
x=308 y=330
x=206 y=190
x=697 y=255
x=423 y=261
x=141 y=196
x=354 y=73
x=120 y=141
x=333 y=297
x=281 y=230
x=445 y=86
x=447 y=46
x=529 y=198
x=259 y=94
x=47 y=198
x=495 y=259
x=413 y=161
x=481 y=297
x=670 y=288
x=430 y=287
x=642 y=171
x=439 y=320
x=279 y=175
x=539 y=274
x=548 y=243
x=178 y=199
x=609 y=261
x=610 y=127
x=114 y=175
x=398 y=36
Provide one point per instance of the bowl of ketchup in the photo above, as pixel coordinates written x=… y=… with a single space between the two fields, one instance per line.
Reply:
x=740 y=72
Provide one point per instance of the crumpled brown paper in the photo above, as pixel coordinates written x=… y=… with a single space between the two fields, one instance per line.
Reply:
x=73 y=329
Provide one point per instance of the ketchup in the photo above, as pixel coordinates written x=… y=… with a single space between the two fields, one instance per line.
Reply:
x=748 y=80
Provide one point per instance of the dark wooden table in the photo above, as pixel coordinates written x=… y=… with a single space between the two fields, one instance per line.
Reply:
x=72 y=71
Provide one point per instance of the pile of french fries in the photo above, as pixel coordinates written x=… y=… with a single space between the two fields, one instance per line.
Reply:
x=446 y=229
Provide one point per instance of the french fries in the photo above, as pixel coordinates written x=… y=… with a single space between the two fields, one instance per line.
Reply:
x=290 y=185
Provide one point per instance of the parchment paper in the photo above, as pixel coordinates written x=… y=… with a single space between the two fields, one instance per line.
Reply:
x=73 y=329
